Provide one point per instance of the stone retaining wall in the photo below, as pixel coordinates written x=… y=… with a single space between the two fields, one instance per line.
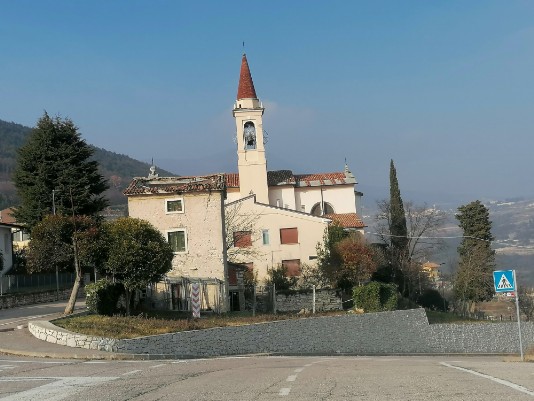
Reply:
x=386 y=333
x=21 y=299
x=324 y=301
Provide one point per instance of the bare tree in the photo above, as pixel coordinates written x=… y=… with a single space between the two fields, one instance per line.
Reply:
x=241 y=233
x=423 y=224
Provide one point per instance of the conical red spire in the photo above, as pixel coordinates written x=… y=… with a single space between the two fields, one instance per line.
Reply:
x=245 y=90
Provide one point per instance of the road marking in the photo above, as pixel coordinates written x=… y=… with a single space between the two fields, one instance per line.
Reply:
x=291 y=378
x=44 y=362
x=95 y=362
x=299 y=370
x=284 y=391
x=61 y=387
x=157 y=366
x=7 y=367
x=514 y=386
x=131 y=372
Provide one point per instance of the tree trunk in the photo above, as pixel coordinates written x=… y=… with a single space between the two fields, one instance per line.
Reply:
x=128 y=295
x=77 y=282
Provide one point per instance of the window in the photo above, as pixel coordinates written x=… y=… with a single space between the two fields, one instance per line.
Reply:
x=265 y=237
x=174 y=205
x=292 y=267
x=289 y=236
x=178 y=241
x=242 y=239
x=249 y=135
x=316 y=209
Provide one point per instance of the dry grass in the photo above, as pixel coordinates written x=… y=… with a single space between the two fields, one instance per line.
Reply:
x=122 y=327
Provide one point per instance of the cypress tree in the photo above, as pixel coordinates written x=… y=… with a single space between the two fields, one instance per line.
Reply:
x=54 y=169
x=398 y=229
x=474 y=279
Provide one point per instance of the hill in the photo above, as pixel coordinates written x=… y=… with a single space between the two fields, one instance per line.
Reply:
x=116 y=168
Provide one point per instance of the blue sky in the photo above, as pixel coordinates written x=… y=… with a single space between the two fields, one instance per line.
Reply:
x=445 y=89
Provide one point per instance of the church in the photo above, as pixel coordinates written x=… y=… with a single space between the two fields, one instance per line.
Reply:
x=222 y=224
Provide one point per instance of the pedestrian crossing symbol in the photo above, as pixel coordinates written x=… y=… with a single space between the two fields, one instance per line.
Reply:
x=504 y=280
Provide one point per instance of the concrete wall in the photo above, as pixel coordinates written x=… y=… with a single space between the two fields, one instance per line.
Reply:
x=386 y=333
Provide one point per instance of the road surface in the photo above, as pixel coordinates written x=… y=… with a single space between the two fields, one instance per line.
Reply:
x=269 y=378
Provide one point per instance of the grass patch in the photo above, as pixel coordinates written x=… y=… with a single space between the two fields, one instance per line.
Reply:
x=162 y=322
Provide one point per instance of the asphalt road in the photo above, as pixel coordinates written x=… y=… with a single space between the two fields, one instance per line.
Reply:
x=21 y=315
x=269 y=378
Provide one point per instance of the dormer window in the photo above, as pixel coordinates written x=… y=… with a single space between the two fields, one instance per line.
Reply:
x=249 y=135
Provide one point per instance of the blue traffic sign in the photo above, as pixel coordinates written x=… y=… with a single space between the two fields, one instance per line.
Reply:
x=504 y=280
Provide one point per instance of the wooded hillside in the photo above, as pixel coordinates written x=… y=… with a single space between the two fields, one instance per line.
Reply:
x=116 y=168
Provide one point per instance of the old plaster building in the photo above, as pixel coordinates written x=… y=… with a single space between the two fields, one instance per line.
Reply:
x=277 y=217
x=189 y=212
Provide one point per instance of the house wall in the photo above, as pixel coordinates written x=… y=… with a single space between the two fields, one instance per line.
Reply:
x=310 y=232
x=341 y=197
x=203 y=221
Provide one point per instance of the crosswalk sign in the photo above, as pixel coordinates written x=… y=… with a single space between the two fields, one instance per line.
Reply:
x=504 y=280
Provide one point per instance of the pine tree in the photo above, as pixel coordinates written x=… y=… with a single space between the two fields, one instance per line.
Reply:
x=54 y=169
x=474 y=279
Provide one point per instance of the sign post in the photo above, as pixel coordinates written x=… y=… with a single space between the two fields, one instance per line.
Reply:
x=505 y=281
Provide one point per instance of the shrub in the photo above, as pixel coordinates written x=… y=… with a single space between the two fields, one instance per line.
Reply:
x=432 y=299
x=375 y=297
x=279 y=277
x=103 y=297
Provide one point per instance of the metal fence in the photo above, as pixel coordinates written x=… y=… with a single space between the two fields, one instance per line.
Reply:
x=14 y=283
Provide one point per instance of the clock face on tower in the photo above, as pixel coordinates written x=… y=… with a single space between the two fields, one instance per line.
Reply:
x=249 y=135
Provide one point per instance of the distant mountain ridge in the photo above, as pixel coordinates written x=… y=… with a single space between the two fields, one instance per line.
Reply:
x=118 y=169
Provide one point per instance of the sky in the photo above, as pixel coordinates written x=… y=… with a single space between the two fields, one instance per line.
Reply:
x=444 y=89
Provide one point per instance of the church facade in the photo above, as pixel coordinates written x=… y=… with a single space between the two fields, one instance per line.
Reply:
x=288 y=213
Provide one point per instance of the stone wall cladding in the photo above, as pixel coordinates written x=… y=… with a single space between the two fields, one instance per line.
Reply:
x=16 y=300
x=385 y=333
x=324 y=301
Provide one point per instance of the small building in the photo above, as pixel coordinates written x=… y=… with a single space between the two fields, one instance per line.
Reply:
x=6 y=246
x=189 y=212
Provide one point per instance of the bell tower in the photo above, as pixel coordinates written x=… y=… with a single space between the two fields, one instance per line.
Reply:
x=251 y=160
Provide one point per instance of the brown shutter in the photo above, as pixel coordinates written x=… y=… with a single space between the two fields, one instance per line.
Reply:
x=289 y=236
x=292 y=266
x=242 y=239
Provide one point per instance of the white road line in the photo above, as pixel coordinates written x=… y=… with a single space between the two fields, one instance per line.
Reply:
x=514 y=386
x=7 y=367
x=284 y=391
x=59 y=389
x=157 y=366
x=131 y=372
x=95 y=362
x=298 y=370
x=44 y=362
x=291 y=378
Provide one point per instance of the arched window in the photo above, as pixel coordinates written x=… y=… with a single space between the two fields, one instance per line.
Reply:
x=249 y=135
x=316 y=209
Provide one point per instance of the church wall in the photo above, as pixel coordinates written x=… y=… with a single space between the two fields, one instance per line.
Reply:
x=285 y=195
x=203 y=221
x=341 y=197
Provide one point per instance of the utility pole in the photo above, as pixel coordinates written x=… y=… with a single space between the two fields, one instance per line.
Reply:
x=54 y=213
